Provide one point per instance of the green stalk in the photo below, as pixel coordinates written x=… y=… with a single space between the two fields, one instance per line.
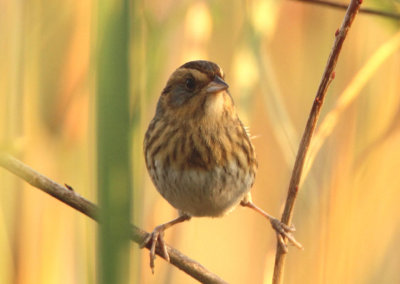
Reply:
x=113 y=143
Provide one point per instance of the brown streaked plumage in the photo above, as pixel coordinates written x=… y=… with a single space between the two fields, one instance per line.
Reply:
x=197 y=152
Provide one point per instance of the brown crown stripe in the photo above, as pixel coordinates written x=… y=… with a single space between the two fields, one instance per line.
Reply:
x=206 y=67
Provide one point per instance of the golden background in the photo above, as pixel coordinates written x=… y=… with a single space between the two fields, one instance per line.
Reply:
x=273 y=54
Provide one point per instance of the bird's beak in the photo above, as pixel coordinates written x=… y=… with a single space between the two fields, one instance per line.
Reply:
x=216 y=85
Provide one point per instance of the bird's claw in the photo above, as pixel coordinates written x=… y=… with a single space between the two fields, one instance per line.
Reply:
x=282 y=230
x=152 y=239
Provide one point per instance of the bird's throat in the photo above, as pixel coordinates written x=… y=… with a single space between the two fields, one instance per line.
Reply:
x=217 y=104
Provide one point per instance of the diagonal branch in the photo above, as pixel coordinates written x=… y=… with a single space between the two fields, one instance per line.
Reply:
x=327 y=78
x=343 y=6
x=73 y=199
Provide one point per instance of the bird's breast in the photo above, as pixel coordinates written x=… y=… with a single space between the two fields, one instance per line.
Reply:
x=200 y=192
x=199 y=168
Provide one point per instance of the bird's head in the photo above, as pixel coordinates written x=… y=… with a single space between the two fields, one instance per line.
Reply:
x=196 y=90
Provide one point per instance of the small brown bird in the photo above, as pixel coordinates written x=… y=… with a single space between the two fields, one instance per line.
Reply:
x=198 y=153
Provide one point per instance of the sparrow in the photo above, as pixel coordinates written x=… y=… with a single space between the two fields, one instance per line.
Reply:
x=198 y=153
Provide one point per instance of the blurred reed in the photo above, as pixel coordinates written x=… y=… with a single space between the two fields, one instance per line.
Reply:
x=113 y=142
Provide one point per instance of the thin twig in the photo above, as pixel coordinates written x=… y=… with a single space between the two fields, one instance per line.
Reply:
x=327 y=78
x=349 y=95
x=343 y=6
x=71 y=198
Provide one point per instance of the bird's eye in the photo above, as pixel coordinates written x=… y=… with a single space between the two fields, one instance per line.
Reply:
x=190 y=84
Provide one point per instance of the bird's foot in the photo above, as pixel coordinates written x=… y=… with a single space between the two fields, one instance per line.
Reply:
x=282 y=230
x=156 y=236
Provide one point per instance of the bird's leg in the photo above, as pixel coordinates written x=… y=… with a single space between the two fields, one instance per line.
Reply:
x=157 y=235
x=282 y=230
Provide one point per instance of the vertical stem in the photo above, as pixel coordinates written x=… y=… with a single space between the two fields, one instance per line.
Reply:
x=113 y=143
x=327 y=77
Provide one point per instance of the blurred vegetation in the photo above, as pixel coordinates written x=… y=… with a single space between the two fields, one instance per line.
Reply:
x=273 y=53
